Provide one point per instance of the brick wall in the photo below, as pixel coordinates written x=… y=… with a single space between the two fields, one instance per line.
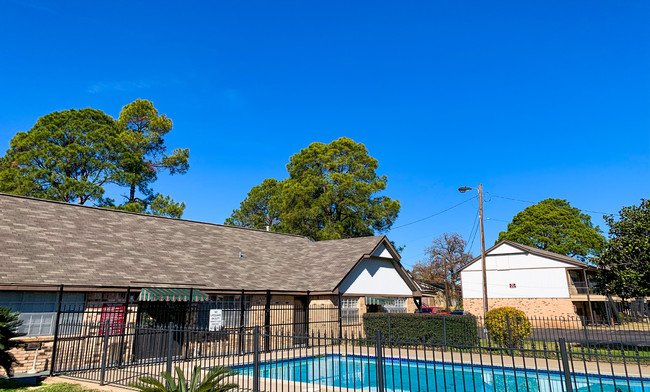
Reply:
x=533 y=307
x=26 y=352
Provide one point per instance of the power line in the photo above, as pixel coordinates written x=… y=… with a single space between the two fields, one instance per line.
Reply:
x=473 y=225
x=497 y=220
x=532 y=202
x=436 y=214
x=473 y=237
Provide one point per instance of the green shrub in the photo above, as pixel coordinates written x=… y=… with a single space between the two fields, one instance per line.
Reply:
x=9 y=323
x=507 y=327
x=461 y=330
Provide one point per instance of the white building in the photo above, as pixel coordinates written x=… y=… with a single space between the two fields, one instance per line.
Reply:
x=539 y=282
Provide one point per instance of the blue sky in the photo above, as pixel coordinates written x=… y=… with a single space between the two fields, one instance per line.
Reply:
x=533 y=99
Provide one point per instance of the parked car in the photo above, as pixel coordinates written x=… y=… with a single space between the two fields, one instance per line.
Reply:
x=432 y=310
x=459 y=312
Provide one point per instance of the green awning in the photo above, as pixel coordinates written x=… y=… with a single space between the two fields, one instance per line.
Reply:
x=378 y=300
x=172 y=295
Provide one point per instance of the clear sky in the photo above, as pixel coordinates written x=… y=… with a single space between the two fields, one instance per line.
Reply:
x=535 y=99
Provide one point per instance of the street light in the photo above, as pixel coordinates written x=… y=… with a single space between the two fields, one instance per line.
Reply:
x=480 y=213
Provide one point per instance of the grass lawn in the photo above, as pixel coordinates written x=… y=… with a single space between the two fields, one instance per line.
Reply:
x=14 y=386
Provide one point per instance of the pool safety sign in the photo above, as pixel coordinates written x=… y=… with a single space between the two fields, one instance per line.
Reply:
x=216 y=320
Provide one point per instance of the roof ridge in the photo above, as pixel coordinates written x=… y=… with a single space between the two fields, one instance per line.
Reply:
x=63 y=203
x=349 y=238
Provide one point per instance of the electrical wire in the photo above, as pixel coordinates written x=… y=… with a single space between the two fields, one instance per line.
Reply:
x=473 y=224
x=473 y=237
x=436 y=214
x=532 y=202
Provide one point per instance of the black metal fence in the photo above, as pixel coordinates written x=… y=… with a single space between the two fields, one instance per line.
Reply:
x=326 y=361
x=295 y=316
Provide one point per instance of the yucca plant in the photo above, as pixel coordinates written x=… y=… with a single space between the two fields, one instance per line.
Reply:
x=9 y=323
x=214 y=381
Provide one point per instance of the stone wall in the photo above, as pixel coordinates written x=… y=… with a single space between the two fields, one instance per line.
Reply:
x=30 y=348
x=533 y=307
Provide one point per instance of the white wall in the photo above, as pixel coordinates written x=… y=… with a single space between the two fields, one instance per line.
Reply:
x=375 y=277
x=516 y=276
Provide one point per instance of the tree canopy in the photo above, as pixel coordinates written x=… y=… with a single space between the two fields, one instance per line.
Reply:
x=67 y=156
x=444 y=258
x=331 y=192
x=72 y=155
x=144 y=156
x=261 y=208
x=554 y=225
x=624 y=265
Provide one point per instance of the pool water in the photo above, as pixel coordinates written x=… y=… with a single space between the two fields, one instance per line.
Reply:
x=360 y=372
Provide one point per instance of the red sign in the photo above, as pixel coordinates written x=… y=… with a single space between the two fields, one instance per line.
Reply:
x=113 y=314
x=513 y=285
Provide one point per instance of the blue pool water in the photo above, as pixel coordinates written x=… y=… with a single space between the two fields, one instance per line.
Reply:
x=360 y=372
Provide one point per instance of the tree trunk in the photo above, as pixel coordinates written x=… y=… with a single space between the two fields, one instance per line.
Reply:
x=132 y=193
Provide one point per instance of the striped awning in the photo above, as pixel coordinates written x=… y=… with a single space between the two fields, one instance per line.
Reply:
x=182 y=295
x=378 y=300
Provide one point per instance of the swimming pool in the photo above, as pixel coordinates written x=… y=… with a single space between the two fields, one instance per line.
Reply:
x=360 y=372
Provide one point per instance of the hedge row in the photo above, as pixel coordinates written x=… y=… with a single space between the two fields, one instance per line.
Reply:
x=461 y=330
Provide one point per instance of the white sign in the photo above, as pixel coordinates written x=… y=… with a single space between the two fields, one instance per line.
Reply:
x=216 y=319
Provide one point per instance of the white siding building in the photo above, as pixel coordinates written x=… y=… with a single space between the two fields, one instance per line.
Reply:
x=541 y=283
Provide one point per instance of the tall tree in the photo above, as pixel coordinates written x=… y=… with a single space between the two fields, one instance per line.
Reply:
x=332 y=192
x=554 y=225
x=444 y=258
x=624 y=265
x=261 y=208
x=145 y=155
x=67 y=156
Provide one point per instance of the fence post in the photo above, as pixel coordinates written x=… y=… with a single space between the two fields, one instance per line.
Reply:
x=584 y=327
x=510 y=342
x=170 y=347
x=380 y=362
x=444 y=332
x=256 y=359
x=242 y=322
x=188 y=323
x=308 y=303
x=340 y=316
x=267 y=322
x=125 y=315
x=565 y=365
x=102 y=373
x=390 y=333
x=56 y=329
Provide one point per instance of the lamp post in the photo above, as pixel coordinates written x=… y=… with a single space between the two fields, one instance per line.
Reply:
x=483 y=267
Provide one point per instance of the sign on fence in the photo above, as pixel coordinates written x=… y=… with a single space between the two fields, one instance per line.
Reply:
x=216 y=320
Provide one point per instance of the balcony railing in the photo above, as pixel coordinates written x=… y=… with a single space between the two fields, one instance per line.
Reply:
x=581 y=288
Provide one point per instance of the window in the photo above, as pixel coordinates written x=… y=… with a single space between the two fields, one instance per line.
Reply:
x=395 y=305
x=38 y=309
x=349 y=310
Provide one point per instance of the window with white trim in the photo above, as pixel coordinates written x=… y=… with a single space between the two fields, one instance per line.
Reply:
x=395 y=305
x=349 y=310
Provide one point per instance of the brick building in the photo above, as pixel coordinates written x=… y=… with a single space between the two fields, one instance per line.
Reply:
x=84 y=264
x=539 y=282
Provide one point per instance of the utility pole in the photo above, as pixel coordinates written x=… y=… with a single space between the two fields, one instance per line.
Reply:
x=483 y=263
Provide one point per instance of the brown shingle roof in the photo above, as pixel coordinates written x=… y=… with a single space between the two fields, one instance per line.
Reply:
x=45 y=242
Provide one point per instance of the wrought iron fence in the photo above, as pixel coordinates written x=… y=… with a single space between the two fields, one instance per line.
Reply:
x=327 y=361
